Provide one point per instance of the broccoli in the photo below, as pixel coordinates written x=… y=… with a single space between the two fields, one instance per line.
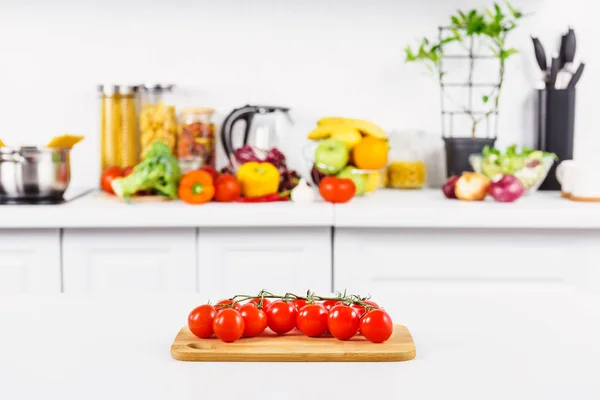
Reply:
x=158 y=171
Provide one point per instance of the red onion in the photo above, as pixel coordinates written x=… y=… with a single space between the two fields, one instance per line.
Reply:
x=507 y=189
x=448 y=187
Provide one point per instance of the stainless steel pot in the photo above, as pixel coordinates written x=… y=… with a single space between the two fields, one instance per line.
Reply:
x=34 y=173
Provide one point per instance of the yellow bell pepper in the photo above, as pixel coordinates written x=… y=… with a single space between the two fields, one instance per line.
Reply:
x=258 y=179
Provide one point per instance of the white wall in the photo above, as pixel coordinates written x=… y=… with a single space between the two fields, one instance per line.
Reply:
x=317 y=57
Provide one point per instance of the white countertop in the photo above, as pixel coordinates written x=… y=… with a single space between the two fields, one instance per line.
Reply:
x=382 y=209
x=469 y=346
x=430 y=209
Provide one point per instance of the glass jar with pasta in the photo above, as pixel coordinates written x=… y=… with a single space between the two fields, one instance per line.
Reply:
x=158 y=117
x=406 y=167
x=196 y=141
x=119 y=143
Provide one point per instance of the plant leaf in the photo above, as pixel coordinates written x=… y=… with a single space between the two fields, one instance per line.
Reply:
x=505 y=53
x=409 y=54
x=485 y=99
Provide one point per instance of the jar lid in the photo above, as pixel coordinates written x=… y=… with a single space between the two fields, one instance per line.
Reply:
x=197 y=110
x=156 y=87
x=110 y=90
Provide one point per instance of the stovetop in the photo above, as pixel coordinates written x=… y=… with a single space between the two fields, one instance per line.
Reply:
x=70 y=195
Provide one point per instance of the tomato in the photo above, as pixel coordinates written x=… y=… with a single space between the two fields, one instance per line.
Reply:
x=228 y=325
x=361 y=309
x=127 y=171
x=212 y=172
x=266 y=303
x=255 y=320
x=223 y=304
x=281 y=317
x=312 y=319
x=108 y=175
x=343 y=321
x=337 y=190
x=227 y=188
x=299 y=303
x=376 y=326
x=200 y=320
x=328 y=304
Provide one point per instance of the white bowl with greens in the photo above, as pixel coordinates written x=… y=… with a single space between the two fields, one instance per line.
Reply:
x=530 y=166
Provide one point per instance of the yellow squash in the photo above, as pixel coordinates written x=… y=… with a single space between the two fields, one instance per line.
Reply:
x=258 y=179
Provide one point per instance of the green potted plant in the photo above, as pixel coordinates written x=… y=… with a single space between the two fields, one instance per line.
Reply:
x=489 y=28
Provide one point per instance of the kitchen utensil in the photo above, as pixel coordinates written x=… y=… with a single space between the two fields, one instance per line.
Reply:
x=576 y=76
x=34 y=173
x=263 y=127
x=561 y=52
x=540 y=54
x=570 y=46
x=554 y=67
x=294 y=346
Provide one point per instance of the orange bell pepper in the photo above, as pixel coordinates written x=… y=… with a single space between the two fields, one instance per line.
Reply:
x=196 y=187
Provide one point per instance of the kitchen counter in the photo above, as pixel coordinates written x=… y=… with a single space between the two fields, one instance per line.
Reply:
x=469 y=346
x=382 y=209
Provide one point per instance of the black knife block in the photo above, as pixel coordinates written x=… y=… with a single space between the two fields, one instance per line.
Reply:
x=556 y=128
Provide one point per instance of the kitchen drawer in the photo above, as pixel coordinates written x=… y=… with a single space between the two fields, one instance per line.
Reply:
x=246 y=260
x=129 y=260
x=30 y=261
x=392 y=260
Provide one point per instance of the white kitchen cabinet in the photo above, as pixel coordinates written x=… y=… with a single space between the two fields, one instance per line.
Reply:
x=129 y=260
x=246 y=260
x=395 y=260
x=30 y=261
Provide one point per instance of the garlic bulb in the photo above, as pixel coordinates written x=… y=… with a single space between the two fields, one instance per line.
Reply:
x=302 y=193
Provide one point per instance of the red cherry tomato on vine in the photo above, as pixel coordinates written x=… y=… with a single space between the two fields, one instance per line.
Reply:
x=281 y=317
x=376 y=326
x=225 y=303
x=266 y=303
x=361 y=309
x=343 y=321
x=299 y=303
x=228 y=325
x=312 y=319
x=255 y=319
x=328 y=304
x=200 y=321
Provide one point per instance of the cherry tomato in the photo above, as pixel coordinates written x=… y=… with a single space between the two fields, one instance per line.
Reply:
x=222 y=304
x=343 y=321
x=328 y=304
x=200 y=321
x=255 y=320
x=227 y=188
x=376 y=326
x=108 y=175
x=312 y=319
x=361 y=309
x=266 y=303
x=337 y=190
x=228 y=325
x=281 y=317
x=299 y=303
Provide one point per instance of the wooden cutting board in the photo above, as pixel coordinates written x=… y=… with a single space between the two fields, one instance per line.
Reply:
x=133 y=199
x=294 y=346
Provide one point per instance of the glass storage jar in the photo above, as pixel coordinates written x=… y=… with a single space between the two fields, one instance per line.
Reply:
x=119 y=144
x=406 y=166
x=158 y=118
x=196 y=141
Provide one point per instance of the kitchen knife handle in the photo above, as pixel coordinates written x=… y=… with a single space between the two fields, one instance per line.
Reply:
x=576 y=76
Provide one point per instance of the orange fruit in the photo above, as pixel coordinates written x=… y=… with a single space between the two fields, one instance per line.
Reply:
x=370 y=153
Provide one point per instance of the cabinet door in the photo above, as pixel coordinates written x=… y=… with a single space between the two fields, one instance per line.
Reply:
x=30 y=261
x=246 y=260
x=129 y=260
x=395 y=260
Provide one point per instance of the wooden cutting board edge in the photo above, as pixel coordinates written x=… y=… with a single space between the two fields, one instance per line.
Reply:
x=181 y=351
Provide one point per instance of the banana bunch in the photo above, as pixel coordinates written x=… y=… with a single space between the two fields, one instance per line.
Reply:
x=347 y=128
x=158 y=122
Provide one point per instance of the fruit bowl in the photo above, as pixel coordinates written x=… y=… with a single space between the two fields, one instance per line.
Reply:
x=531 y=173
x=366 y=181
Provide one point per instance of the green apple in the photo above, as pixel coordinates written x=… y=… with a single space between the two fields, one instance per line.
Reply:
x=360 y=180
x=331 y=156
